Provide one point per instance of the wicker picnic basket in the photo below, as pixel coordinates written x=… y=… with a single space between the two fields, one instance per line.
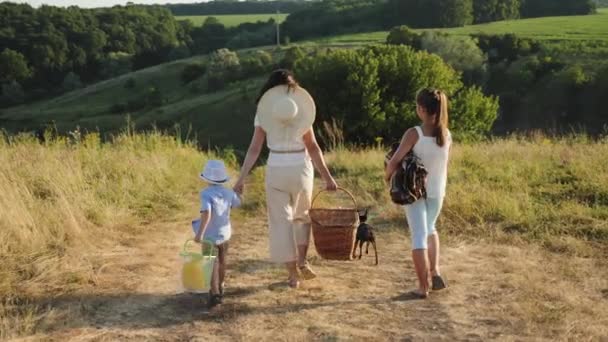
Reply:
x=334 y=230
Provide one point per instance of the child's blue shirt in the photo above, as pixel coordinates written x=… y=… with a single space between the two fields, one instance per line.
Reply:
x=217 y=200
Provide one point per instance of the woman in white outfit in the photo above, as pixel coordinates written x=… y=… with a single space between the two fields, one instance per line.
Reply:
x=431 y=142
x=284 y=118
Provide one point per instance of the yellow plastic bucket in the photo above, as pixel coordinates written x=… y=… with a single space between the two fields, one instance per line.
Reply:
x=197 y=268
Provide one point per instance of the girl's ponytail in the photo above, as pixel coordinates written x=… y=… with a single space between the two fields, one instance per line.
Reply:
x=441 y=124
x=435 y=102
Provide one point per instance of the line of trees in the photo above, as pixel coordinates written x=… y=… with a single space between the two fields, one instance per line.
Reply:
x=332 y=17
x=238 y=7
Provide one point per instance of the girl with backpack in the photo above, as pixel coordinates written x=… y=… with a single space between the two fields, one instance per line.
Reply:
x=431 y=143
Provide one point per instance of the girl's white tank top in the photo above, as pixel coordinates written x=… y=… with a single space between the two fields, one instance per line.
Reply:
x=435 y=159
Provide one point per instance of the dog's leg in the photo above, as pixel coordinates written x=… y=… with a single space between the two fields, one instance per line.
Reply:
x=375 y=251
x=367 y=248
x=355 y=249
x=361 y=249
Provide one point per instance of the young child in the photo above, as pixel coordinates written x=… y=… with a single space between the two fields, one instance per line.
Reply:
x=214 y=224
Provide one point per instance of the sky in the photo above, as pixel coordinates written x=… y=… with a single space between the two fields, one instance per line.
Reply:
x=100 y=3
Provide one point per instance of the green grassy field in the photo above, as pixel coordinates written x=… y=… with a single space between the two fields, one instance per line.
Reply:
x=231 y=20
x=577 y=28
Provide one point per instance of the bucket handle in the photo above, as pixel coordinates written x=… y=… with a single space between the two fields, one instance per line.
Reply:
x=339 y=188
x=211 y=253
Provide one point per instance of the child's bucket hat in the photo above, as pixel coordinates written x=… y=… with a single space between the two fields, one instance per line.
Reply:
x=214 y=172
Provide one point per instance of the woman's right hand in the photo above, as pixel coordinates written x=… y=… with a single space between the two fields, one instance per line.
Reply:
x=330 y=184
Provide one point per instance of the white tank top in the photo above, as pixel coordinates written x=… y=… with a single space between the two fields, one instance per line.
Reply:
x=435 y=159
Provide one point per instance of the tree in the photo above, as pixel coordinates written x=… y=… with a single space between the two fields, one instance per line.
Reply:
x=13 y=66
x=495 y=10
x=472 y=114
x=12 y=94
x=453 y=13
x=373 y=89
x=431 y=13
x=462 y=53
x=543 y=8
x=403 y=35
x=224 y=67
x=71 y=82
x=192 y=72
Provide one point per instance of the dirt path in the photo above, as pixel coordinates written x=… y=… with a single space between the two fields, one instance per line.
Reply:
x=493 y=295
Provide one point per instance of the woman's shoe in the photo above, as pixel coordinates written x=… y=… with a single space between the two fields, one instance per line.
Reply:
x=307 y=272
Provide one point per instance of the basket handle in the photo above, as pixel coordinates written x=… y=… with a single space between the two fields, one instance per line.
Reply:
x=202 y=243
x=339 y=188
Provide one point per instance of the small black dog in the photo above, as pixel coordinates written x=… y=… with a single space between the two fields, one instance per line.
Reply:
x=365 y=234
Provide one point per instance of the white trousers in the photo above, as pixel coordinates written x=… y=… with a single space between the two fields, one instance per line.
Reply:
x=288 y=196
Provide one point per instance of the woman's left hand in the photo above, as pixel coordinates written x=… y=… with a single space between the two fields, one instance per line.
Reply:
x=239 y=187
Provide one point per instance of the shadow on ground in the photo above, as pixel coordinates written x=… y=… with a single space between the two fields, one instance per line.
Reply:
x=138 y=311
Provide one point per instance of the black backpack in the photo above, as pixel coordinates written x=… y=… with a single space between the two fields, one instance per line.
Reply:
x=408 y=183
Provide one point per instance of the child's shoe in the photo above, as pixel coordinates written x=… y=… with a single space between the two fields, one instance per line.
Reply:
x=214 y=300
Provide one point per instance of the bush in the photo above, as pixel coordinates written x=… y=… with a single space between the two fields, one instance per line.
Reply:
x=372 y=90
x=495 y=10
x=472 y=114
x=291 y=57
x=224 y=67
x=507 y=47
x=403 y=35
x=118 y=108
x=71 y=82
x=13 y=66
x=12 y=94
x=115 y=64
x=179 y=52
x=131 y=83
x=462 y=53
x=258 y=63
x=192 y=72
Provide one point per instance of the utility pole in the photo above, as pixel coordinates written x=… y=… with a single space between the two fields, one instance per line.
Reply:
x=278 y=27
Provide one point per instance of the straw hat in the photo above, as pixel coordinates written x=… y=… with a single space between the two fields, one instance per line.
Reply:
x=286 y=113
x=215 y=172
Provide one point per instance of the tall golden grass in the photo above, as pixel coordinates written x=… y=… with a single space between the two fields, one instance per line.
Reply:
x=552 y=191
x=64 y=198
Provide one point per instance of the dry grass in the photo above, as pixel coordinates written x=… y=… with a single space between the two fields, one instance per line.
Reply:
x=64 y=202
x=551 y=191
x=89 y=236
